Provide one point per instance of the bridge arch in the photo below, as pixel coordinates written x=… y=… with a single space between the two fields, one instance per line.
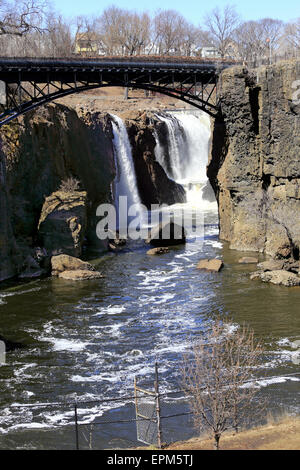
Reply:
x=30 y=83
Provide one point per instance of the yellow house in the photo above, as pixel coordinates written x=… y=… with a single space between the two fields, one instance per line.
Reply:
x=87 y=43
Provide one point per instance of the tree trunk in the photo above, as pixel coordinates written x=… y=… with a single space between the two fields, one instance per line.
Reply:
x=217 y=441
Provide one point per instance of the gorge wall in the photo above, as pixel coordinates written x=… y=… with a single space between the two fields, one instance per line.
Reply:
x=255 y=163
x=39 y=151
x=57 y=165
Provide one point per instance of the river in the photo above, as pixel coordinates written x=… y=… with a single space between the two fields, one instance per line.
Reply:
x=86 y=341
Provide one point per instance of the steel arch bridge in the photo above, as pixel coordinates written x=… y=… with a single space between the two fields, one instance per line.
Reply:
x=27 y=83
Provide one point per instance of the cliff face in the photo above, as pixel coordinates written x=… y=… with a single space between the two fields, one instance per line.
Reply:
x=8 y=251
x=40 y=150
x=255 y=163
x=46 y=147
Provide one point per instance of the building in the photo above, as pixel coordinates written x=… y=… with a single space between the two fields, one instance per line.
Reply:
x=88 y=43
x=210 y=52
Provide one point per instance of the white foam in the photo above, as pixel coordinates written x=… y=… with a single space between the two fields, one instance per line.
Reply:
x=111 y=310
x=261 y=383
x=61 y=344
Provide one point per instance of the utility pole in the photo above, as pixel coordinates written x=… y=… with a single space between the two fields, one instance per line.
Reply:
x=157 y=400
x=76 y=426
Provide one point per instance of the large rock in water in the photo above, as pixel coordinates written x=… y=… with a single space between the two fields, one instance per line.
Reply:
x=271 y=265
x=214 y=265
x=80 y=275
x=167 y=234
x=63 y=263
x=279 y=277
x=73 y=269
x=63 y=221
x=161 y=250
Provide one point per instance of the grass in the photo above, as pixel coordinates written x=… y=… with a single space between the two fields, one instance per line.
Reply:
x=278 y=434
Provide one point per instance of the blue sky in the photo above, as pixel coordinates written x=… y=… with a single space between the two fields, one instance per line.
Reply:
x=193 y=10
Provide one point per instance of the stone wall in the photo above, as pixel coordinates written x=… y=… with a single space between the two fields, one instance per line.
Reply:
x=255 y=160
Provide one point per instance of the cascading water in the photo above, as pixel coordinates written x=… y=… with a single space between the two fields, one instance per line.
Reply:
x=176 y=147
x=125 y=184
x=188 y=148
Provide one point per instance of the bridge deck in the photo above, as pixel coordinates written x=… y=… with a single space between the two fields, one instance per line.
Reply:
x=60 y=69
x=26 y=83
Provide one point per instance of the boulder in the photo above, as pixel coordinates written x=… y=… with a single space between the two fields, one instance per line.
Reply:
x=161 y=250
x=61 y=263
x=80 y=275
x=167 y=234
x=62 y=223
x=248 y=260
x=214 y=265
x=271 y=265
x=279 y=277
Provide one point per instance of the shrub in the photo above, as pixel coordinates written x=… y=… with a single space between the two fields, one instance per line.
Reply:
x=69 y=185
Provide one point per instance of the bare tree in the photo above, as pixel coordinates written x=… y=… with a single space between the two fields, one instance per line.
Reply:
x=271 y=32
x=292 y=34
x=168 y=29
x=21 y=17
x=190 y=39
x=124 y=32
x=258 y=40
x=217 y=378
x=110 y=27
x=58 y=40
x=247 y=41
x=220 y=27
x=136 y=33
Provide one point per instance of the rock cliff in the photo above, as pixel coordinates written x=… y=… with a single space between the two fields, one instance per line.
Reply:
x=39 y=151
x=9 y=260
x=255 y=163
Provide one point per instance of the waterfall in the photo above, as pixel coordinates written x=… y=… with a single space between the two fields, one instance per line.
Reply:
x=126 y=183
x=188 y=134
x=176 y=147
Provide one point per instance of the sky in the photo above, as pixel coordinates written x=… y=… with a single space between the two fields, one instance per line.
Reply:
x=192 y=10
